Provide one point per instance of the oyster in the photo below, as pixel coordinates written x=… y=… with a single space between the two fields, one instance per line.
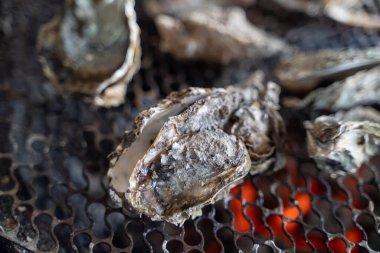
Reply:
x=156 y=7
x=215 y=34
x=93 y=48
x=303 y=72
x=362 y=13
x=193 y=146
x=342 y=147
x=310 y=7
x=360 y=113
x=363 y=88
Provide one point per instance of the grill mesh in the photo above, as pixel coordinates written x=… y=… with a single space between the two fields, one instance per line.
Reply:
x=53 y=153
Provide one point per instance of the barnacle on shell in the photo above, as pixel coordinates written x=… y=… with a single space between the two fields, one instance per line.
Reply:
x=304 y=71
x=92 y=48
x=195 y=145
x=342 y=147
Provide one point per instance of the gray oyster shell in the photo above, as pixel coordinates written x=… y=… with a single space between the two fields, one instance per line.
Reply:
x=191 y=148
x=361 y=13
x=92 y=48
x=342 y=147
x=360 y=113
x=363 y=88
x=304 y=71
x=310 y=7
x=215 y=34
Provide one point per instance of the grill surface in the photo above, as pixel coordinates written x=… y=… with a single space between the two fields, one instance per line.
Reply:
x=53 y=153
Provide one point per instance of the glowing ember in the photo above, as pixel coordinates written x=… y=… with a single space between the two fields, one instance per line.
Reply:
x=337 y=245
x=354 y=235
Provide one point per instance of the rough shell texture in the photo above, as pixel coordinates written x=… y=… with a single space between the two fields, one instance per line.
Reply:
x=360 y=113
x=215 y=34
x=84 y=51
x=363 y=88
x=342 y=147
x=190 y=149
x=310 y=7
x=362 y=13
x=304 y=71
x=173 y=7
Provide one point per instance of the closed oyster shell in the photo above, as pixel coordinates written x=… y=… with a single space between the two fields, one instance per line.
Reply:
x=360 y=113
x=187 y=151
x=363 y=88
x=342 y=147
x=361 y=13
x=310 y=7
x=215 y=34
x=303 y=72
x=92 y=48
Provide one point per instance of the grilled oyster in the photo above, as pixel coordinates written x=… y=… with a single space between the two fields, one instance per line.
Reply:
x=93 y=48
x=342 y=147
x=360 y=113
x=362 y=13
x=363 y=88
x=193 y=146
x=215 y=34
x=310 y=7
x=303 y=72
x=172 y=7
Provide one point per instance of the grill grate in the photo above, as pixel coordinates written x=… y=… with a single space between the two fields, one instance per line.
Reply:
x=53 y=153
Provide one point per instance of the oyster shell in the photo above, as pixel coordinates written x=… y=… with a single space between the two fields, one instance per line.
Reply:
x=193 y=146
x=363 y=88
x=342 y=147
x=362 y=13
x=310 y=7
x=304 y=71
x=215 y=34
x=92 y=48
x=360 y=113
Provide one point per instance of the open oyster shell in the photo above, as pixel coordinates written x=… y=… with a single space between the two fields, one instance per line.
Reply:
x=193 y=146
x=303 y=72
x=92 y=48
x=362 y=13
x=215 y=34
x=363 y=88
x=342 y=147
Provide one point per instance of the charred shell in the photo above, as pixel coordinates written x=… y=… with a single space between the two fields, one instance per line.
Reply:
x=361 y=13
x=363 y=88
x=195 y=145
x=303 y=72
x=342 y=147
x=92 y=48
x=215 y=34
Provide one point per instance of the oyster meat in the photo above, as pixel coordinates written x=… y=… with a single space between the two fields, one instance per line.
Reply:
x=303 y=72
x=361 y=13
x=342 y=146
x=310 y=7
x=191 y=148
x=363 y=88
x=215 y=34
x=92 y=48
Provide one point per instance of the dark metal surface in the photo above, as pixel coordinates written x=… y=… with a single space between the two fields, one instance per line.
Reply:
x=53 y=151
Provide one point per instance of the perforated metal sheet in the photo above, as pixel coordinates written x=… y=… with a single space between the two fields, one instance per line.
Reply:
x=53 y=153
